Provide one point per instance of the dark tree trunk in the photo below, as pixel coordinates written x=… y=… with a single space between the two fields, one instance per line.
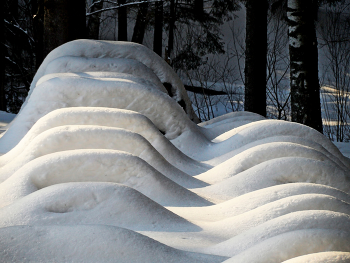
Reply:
x=122 y=22
x=2 y=54
x=141 y=23
x=255 y=56
x=171 y=30
x=13 y=8
x=198 y=9
x=64 y=20
x=304 y=82
x=93 y=25
x=38 y=31
x=158 y=28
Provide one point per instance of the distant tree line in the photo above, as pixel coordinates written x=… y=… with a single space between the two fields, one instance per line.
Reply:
x=184 y=33
x=32 y=28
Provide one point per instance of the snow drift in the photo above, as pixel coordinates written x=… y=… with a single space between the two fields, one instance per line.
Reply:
x=101 y=164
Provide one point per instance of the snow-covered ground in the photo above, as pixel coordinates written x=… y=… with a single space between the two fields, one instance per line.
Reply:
x=101 y=165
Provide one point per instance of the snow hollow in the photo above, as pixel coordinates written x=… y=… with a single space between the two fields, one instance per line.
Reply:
x=105 y=163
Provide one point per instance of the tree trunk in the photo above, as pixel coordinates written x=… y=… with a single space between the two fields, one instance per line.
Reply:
x=198 y=9
x=255 y=56
x=64 y=20
x=158 y=28
x=171 y=31
x=93 y=25
x=13 y=8
x=304 y=82
x=38 y=31
x=122 y=22
x=141 y=23
x=2 y=54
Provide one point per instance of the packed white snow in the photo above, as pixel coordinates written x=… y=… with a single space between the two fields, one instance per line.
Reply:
x=102 y=165
x=113 y=49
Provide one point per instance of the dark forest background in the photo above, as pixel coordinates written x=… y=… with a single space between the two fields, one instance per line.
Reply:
x=285 y=60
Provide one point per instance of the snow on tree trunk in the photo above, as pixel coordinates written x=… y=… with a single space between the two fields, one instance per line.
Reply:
x=304 y=82
x=255 y=60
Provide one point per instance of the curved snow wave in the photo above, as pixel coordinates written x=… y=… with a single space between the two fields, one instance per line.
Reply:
x=329 y=257
x=64 y=138
x=93 y=203
x=99 y=166
x=252 y=132
x=259 y=154
x=228 y=117
x=215 y=130
x=255 y=199
x=253 y=218
x=180 y=127
x=71 y=137
x=75 y=64
x=109 y=117
x=104 y=76
x=294 y=244
x=119 y=205
x=75 y=91
x=283 y=139
x=268 y=128
x=93 y=243
x=113 y=49
x=296 y=221
x=279 y=171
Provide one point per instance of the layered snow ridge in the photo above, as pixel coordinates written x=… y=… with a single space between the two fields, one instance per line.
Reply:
x=105 y=163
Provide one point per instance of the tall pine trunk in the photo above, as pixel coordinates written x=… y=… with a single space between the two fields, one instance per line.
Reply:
x=158 y=28
x=141 y=23
x=122 y=22
x=93 y=24
x=13 y=8
x=304 y=82
x=198 y=9
x=64 y=20
x=38 y=31
x=2 y=54
x=172 y=20
x=255 y=56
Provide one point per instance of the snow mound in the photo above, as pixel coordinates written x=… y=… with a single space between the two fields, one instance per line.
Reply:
x=259 y=198
x=93 y=243
x=105 y=76
x=101 y=164
x=84 y=64
x=77 y=91
x=109 y=117
x=279 y=171
x=329 y=257
x=278 y=226
x=98 y=166
x=112 y=49
x=294 y=244
x=92 y=203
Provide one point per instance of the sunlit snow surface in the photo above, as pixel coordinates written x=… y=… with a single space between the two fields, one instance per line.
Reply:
x=101 y=165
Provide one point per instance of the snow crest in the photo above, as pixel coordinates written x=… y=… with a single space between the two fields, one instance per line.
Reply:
x=102 y=165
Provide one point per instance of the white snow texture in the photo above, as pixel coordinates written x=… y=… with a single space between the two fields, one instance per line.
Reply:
x=102 y=165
